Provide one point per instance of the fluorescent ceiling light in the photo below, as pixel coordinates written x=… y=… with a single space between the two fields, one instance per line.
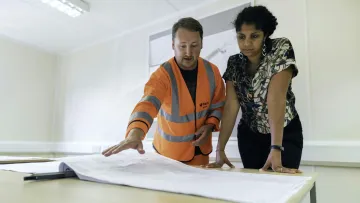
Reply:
x=73 y=8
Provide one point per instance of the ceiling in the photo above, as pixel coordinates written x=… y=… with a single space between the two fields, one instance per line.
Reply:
x=34 y=23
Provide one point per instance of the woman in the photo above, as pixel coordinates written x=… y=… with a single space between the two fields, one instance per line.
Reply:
x=259 y=81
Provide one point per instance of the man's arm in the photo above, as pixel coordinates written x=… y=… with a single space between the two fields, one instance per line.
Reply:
x=148 y=107
x=143 y=114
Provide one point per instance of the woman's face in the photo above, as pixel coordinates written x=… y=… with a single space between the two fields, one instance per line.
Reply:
x=250 y=40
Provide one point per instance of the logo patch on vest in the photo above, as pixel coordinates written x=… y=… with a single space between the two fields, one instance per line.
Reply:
x=204 y=105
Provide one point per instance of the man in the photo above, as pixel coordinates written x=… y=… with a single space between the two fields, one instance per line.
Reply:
x=187 y=95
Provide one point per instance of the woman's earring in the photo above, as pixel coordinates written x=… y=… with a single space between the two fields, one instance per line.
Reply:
x=264 y=49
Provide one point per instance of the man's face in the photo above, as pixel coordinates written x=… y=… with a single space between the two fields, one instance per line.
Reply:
x=187 y=46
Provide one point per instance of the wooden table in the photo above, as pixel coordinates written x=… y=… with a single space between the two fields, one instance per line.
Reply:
x=14 y=190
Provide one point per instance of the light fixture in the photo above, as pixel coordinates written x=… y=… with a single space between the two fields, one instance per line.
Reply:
x=73 y=8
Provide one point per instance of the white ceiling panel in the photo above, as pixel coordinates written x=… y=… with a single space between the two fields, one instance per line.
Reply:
x=37 y=24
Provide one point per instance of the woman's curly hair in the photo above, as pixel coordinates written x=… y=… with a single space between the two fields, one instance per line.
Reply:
x=260 y=16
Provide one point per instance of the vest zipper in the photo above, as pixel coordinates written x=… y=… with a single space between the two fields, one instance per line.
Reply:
x=195 y=123
x=195 y=109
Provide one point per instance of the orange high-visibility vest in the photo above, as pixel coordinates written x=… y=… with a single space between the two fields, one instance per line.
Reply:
x=167 y=97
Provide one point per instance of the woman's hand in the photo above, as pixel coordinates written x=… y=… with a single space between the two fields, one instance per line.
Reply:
x=274 y=161
x=221 y=159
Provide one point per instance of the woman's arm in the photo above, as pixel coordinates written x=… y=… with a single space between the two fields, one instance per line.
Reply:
x=231 y=110
x=276 y=101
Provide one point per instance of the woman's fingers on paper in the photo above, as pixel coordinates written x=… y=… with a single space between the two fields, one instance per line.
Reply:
x=211 y=165
x=294 y=170
x=229 y=163
x=266 y=165
x=214 y=165
x=282 y=169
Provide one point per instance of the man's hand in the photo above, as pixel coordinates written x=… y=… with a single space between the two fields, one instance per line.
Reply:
x=133 y=141
x=274 y=161
x=202 y=134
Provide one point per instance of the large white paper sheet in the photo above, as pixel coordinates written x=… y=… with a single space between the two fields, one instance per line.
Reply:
x=46 y=167
x=153 y=171
x=156 y=172
x=7 y=158
x=38 y=167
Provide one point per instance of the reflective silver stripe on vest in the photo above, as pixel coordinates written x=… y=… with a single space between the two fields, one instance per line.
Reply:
x=211 y=77
x=216 y=114
x=174 y=90
x=217 y=105
x=154 y=100
x=141 y=115
x=183 y=119
x=171 y=138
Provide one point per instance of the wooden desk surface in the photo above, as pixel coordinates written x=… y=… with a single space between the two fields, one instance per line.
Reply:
x=14 y=190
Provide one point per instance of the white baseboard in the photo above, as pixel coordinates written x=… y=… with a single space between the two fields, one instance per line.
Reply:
x=336 y=153
x=26 y=147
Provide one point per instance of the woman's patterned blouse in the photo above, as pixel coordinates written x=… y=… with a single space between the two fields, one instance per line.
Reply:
x=252 y=90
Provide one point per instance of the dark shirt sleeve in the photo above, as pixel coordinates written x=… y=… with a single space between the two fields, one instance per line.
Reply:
x=230 y=70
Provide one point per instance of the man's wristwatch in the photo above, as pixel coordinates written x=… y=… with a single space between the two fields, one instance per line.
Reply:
x=278 y=147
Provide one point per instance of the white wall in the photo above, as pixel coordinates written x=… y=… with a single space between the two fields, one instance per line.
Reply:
x=87 y=96
x=26 y=92
x=334 y=50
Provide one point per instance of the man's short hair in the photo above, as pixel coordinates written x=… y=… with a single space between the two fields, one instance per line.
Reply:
x=187 y=23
